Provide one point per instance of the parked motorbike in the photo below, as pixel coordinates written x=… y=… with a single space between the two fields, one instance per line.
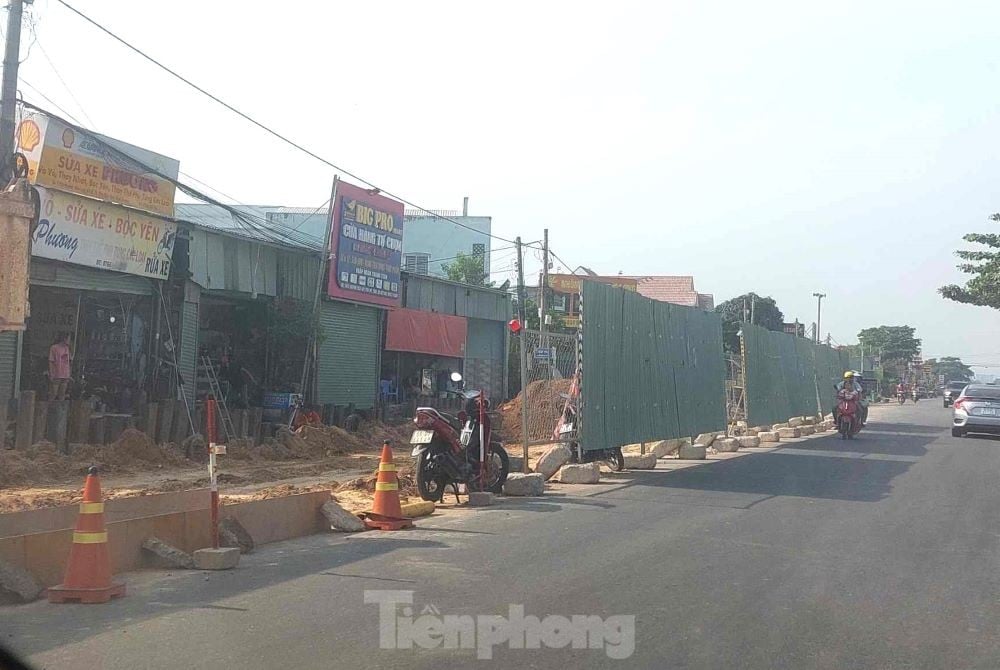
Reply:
x=900 y=397
x=848 y=415
x=567 y=430
x=913 y=394
x=455 y=450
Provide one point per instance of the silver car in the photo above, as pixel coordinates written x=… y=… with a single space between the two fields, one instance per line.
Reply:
x=976 y=410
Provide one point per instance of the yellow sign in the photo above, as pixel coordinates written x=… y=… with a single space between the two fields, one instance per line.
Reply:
x=61 y=158
x=572 y=283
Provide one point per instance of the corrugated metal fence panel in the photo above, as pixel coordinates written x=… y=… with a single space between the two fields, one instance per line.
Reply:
x=787 y=376
x=437 y=295
x=651 y=370
x=348 y=366
x=8 y=364
x=296 y=275
x=187 y=359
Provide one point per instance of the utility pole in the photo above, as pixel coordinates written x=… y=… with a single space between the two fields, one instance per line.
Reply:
x=819 y=308
x=8 y=92
x=523 y=349
x=324 y=259
x=542 y=290
x=753 y=308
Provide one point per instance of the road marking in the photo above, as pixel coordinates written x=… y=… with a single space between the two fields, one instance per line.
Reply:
x=826 y=453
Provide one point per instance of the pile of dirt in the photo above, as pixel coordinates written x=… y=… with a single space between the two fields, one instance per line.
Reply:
x=545 y=403
x=374 y=433
x=43 y=462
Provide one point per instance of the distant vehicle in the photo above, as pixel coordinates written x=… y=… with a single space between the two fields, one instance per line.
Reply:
x=952 y=391
x=976 y=410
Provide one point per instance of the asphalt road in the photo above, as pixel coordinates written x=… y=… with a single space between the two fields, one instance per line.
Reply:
x=877 y=553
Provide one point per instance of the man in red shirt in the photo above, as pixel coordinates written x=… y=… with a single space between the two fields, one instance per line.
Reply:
x=60 y=364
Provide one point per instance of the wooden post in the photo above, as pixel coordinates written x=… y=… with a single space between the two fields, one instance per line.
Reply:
x=57 y=424
x=79 y=421
x=258 y=415
x=239 y=417
x=152 y=413
x=4 y=405
x=97 y=431
x=181 y=427
x=41 y=419
x=166 y=420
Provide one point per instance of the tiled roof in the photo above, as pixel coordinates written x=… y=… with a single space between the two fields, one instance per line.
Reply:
x=678 y=290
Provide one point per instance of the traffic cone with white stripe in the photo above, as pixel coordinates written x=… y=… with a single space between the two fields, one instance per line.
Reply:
x=386 y=513
x=88 y=574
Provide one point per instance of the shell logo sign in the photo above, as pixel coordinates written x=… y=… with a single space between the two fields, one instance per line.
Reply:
x=28 y=135
x=77 y=161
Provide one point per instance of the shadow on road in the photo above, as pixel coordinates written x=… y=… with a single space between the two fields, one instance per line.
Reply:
x=799 y=474
x=31 y=629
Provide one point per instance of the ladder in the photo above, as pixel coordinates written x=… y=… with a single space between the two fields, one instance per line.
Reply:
x=216 y=388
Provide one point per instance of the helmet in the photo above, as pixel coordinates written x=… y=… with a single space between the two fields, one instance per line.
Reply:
x=848 y=375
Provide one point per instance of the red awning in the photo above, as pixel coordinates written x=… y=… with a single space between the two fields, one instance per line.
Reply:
x=426 y=333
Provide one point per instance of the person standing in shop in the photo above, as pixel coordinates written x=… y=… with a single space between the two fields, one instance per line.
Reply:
x=60 y=364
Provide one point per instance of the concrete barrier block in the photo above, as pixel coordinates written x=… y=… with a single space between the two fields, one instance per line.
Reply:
x=785 y=433
x=705 y=439
x=480 y=499
x=807 y=429
x=552 y=460
x=748 y=441
x=727 y=444
x=518 y=484
x=584 y=473
x=769 y=436
x=223 y=558
x=640 y=461
x=693 y=452
x=796 y=421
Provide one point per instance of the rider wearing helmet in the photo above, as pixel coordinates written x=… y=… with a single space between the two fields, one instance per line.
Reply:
x=850 y=382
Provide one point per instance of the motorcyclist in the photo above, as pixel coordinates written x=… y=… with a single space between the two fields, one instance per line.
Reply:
x=850 y=382
x=901 y=389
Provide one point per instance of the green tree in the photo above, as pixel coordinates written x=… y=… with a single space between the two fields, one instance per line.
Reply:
x=894 y=345
x=952 y=368
x=468 y=269
x=763 y=312
x=984 y=264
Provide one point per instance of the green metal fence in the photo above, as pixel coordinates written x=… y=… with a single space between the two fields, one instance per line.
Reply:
x=651 y=370
x=788 y=376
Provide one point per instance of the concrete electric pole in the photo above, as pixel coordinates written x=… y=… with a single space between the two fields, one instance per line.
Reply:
x=819 y=308
x=523 y=352
x=8 y=91
x=542 y=302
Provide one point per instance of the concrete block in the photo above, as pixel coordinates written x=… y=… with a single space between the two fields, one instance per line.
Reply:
x=341 y=519
x=166 y=555
x=223 y=558
x=480 y=499
x=779 y=426
x=552 y=460
x=705 y=439
x=785 y=433
x=769 y=436
x=664 y=447
x=233 y=534
x=19 y=581
x=807 y=429
x=727 y=444
x=415 y=509
x=748 y=441
x=692 y=452
x=640 y=461
x=518 y=484
x=584 y=473
x=796 y=421
x=762 y=429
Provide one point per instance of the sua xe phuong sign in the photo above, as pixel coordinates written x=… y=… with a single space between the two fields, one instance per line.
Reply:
x=62 y=158
x=74 y=229
x=366 y=247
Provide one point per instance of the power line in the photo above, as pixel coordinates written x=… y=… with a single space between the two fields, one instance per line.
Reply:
x=65 y=85
x=265 y=128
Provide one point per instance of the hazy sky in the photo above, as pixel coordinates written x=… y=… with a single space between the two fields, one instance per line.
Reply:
x=779 y=147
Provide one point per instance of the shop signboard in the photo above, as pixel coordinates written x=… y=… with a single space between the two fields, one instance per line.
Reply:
x=63 y=158
x=74 y=229
x=366 y=247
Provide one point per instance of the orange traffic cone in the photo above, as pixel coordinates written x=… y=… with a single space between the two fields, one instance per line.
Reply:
x=88 y=574
x=386 y=513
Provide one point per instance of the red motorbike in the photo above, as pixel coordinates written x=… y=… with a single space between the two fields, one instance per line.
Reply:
x=453 y=450
x=848 y=416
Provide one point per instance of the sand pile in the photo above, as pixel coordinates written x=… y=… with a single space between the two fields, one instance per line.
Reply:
x=407 y=483
x=545 y=404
